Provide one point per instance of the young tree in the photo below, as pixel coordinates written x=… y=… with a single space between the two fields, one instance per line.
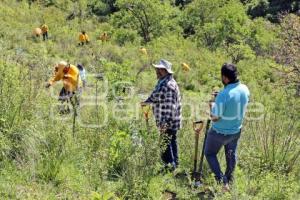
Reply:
x=102 y=7
x=220 y=23
x=288 y=51
x=151 y=18
x=199 y=12
x=271 y=8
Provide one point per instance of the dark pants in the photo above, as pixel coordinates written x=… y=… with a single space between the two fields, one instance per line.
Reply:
x=213 y=144
x=69 y=97
x=72 y=97
x=65 y=95
x=169 y=149
x=82 y=43
x=45 y=36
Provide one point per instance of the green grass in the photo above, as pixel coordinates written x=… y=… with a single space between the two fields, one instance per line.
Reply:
x=40 y=158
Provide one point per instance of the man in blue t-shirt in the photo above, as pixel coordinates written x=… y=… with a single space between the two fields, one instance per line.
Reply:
x=227 y=114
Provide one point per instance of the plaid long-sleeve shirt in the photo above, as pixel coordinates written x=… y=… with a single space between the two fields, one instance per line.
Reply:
x=166 y=103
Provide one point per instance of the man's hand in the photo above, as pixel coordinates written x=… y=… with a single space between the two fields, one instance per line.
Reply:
x=214 y=118
x=48 y=85
x=198 y=130
x=146 y=109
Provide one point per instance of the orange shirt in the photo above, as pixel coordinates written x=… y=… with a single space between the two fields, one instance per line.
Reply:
x=44 y=28
x=84 y=38
x=104 y=37
x=143 y=51
x=69 y=76
x=185 y=67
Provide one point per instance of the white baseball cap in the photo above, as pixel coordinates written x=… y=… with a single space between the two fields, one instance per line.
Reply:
x=63 y=63
x=164 y=64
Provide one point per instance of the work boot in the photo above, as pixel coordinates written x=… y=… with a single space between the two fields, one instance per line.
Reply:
x=230 y=179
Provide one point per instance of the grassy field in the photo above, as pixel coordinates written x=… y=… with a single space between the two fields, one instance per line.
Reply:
x=108 y=153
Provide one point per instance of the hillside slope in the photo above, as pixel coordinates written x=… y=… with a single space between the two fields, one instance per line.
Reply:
x=108 y=153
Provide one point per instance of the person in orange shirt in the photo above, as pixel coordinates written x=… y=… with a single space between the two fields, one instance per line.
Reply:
x=45 y=30
x=69 y=74
x=83 y=38
x=143 y=51
x=104 y=37
x=185 y=67
x=37 y=32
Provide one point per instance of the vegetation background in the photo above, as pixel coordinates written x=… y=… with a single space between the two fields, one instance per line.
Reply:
x=108 y=153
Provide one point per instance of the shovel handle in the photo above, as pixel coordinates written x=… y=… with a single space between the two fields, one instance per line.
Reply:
x=198 y=126
x=146 y=109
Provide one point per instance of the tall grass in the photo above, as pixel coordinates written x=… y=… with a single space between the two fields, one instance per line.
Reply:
x=40 y=159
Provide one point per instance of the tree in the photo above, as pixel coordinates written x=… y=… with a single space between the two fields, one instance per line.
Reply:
x=198 y=13
x=102 y=7
x=272 y=8
x=182 y=3
x=288 y=51
x=217 y=22
x=151 y=18
x=263 y=36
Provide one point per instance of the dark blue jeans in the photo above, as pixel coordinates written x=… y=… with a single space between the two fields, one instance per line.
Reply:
x=213 y=144
x=169 y=149
x=45 y=36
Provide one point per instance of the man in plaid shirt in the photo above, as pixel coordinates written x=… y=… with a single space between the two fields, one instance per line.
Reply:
x=166 y=103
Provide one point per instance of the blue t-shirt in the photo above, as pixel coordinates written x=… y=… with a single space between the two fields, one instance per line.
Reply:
x=230 y=106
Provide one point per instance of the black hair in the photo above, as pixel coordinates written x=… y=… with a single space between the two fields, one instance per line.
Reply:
x=80 y=67
x=83 y=32
x=230 y=71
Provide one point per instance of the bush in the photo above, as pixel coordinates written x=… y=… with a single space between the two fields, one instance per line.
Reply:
x=123 y=36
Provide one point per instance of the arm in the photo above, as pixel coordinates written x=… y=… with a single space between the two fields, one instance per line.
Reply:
x=81 y=38
x=87 y=38
x=58 y=75
x=153 y=98
x=218 y=107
